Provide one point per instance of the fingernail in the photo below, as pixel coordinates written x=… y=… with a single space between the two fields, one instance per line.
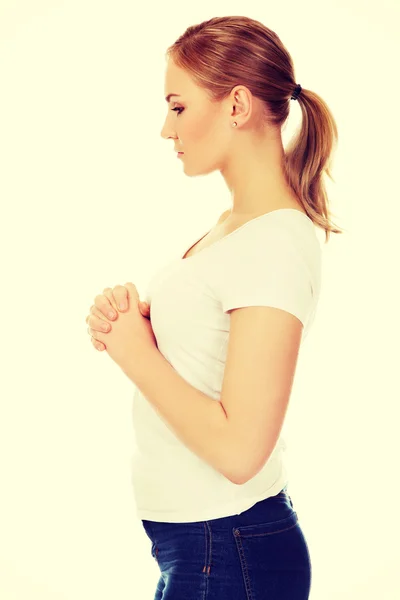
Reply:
x=122 y=306
x=111 y=314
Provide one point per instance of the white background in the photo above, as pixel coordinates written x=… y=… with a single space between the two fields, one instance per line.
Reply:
x=92 y=196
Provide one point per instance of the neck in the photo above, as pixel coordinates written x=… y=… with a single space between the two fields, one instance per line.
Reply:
x=255 y=176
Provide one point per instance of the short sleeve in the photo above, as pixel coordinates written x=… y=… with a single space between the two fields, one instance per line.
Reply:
x=268 y=267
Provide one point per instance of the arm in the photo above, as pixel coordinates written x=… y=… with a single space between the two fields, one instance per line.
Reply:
x=197 y=420
x=237 y=434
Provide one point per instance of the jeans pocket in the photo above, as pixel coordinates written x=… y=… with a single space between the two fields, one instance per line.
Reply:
x=264 y=529
x=274 y=559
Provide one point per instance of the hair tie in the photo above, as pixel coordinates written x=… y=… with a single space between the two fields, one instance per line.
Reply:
x=296 y=92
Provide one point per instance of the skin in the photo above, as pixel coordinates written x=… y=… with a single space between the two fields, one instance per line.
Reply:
x=248 y=156
x=100 y=316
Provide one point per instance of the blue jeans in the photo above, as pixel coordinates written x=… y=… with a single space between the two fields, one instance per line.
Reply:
x=260 y=554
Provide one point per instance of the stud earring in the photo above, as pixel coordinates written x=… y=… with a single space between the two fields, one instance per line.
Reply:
x=234 y=124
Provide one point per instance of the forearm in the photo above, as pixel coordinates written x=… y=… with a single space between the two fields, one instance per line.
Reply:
x=196 y=419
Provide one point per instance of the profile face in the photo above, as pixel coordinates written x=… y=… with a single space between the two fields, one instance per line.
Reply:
x=194 y=123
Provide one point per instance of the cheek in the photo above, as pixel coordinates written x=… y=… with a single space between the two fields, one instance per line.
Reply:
x=193 y=130
x=203 y=130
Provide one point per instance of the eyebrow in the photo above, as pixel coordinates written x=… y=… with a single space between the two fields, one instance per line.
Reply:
x=169 y=96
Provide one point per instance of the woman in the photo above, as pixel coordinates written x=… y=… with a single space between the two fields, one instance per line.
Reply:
x=229 y=316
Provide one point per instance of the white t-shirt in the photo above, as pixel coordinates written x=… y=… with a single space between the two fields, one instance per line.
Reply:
x=272 y=260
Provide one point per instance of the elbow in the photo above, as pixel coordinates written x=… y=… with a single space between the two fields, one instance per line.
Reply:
x=243 y=477
x=242 y=461
x=233 y=474
x=240 y=480
x=235 y=480
x=236 y=476
x=240 y=476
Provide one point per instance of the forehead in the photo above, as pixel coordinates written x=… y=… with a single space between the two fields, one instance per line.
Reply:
x=177 y=81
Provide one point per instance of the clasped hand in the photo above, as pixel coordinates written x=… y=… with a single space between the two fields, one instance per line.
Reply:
x=128 y=335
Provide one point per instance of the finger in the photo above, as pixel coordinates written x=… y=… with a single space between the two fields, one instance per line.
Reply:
x=94 y=337
x=98 y=345
x=121 y=297
x=95 y=311
x=132 y=291
x=144 y=308
x=106 y=304
x=98 y=323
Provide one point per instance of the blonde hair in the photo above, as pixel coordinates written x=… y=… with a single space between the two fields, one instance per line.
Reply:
x=223 y=52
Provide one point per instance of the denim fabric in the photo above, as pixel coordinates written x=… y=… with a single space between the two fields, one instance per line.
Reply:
x=260 y=554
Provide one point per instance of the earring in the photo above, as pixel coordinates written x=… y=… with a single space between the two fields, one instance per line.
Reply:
x=234 y=124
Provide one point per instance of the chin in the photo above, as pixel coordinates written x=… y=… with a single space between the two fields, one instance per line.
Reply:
x=203 y=170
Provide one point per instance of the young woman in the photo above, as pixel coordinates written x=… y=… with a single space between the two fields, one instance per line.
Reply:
x=229 y=316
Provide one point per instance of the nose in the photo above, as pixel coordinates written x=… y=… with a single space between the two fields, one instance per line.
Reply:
x=167 y=135
x=166 y=131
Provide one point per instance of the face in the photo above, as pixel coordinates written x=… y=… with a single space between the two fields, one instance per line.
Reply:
x=198 y=127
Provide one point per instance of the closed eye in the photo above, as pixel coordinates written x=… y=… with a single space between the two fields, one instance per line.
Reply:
x=179 y=109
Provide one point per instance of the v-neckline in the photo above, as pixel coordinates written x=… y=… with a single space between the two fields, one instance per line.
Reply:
x=184 y=257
